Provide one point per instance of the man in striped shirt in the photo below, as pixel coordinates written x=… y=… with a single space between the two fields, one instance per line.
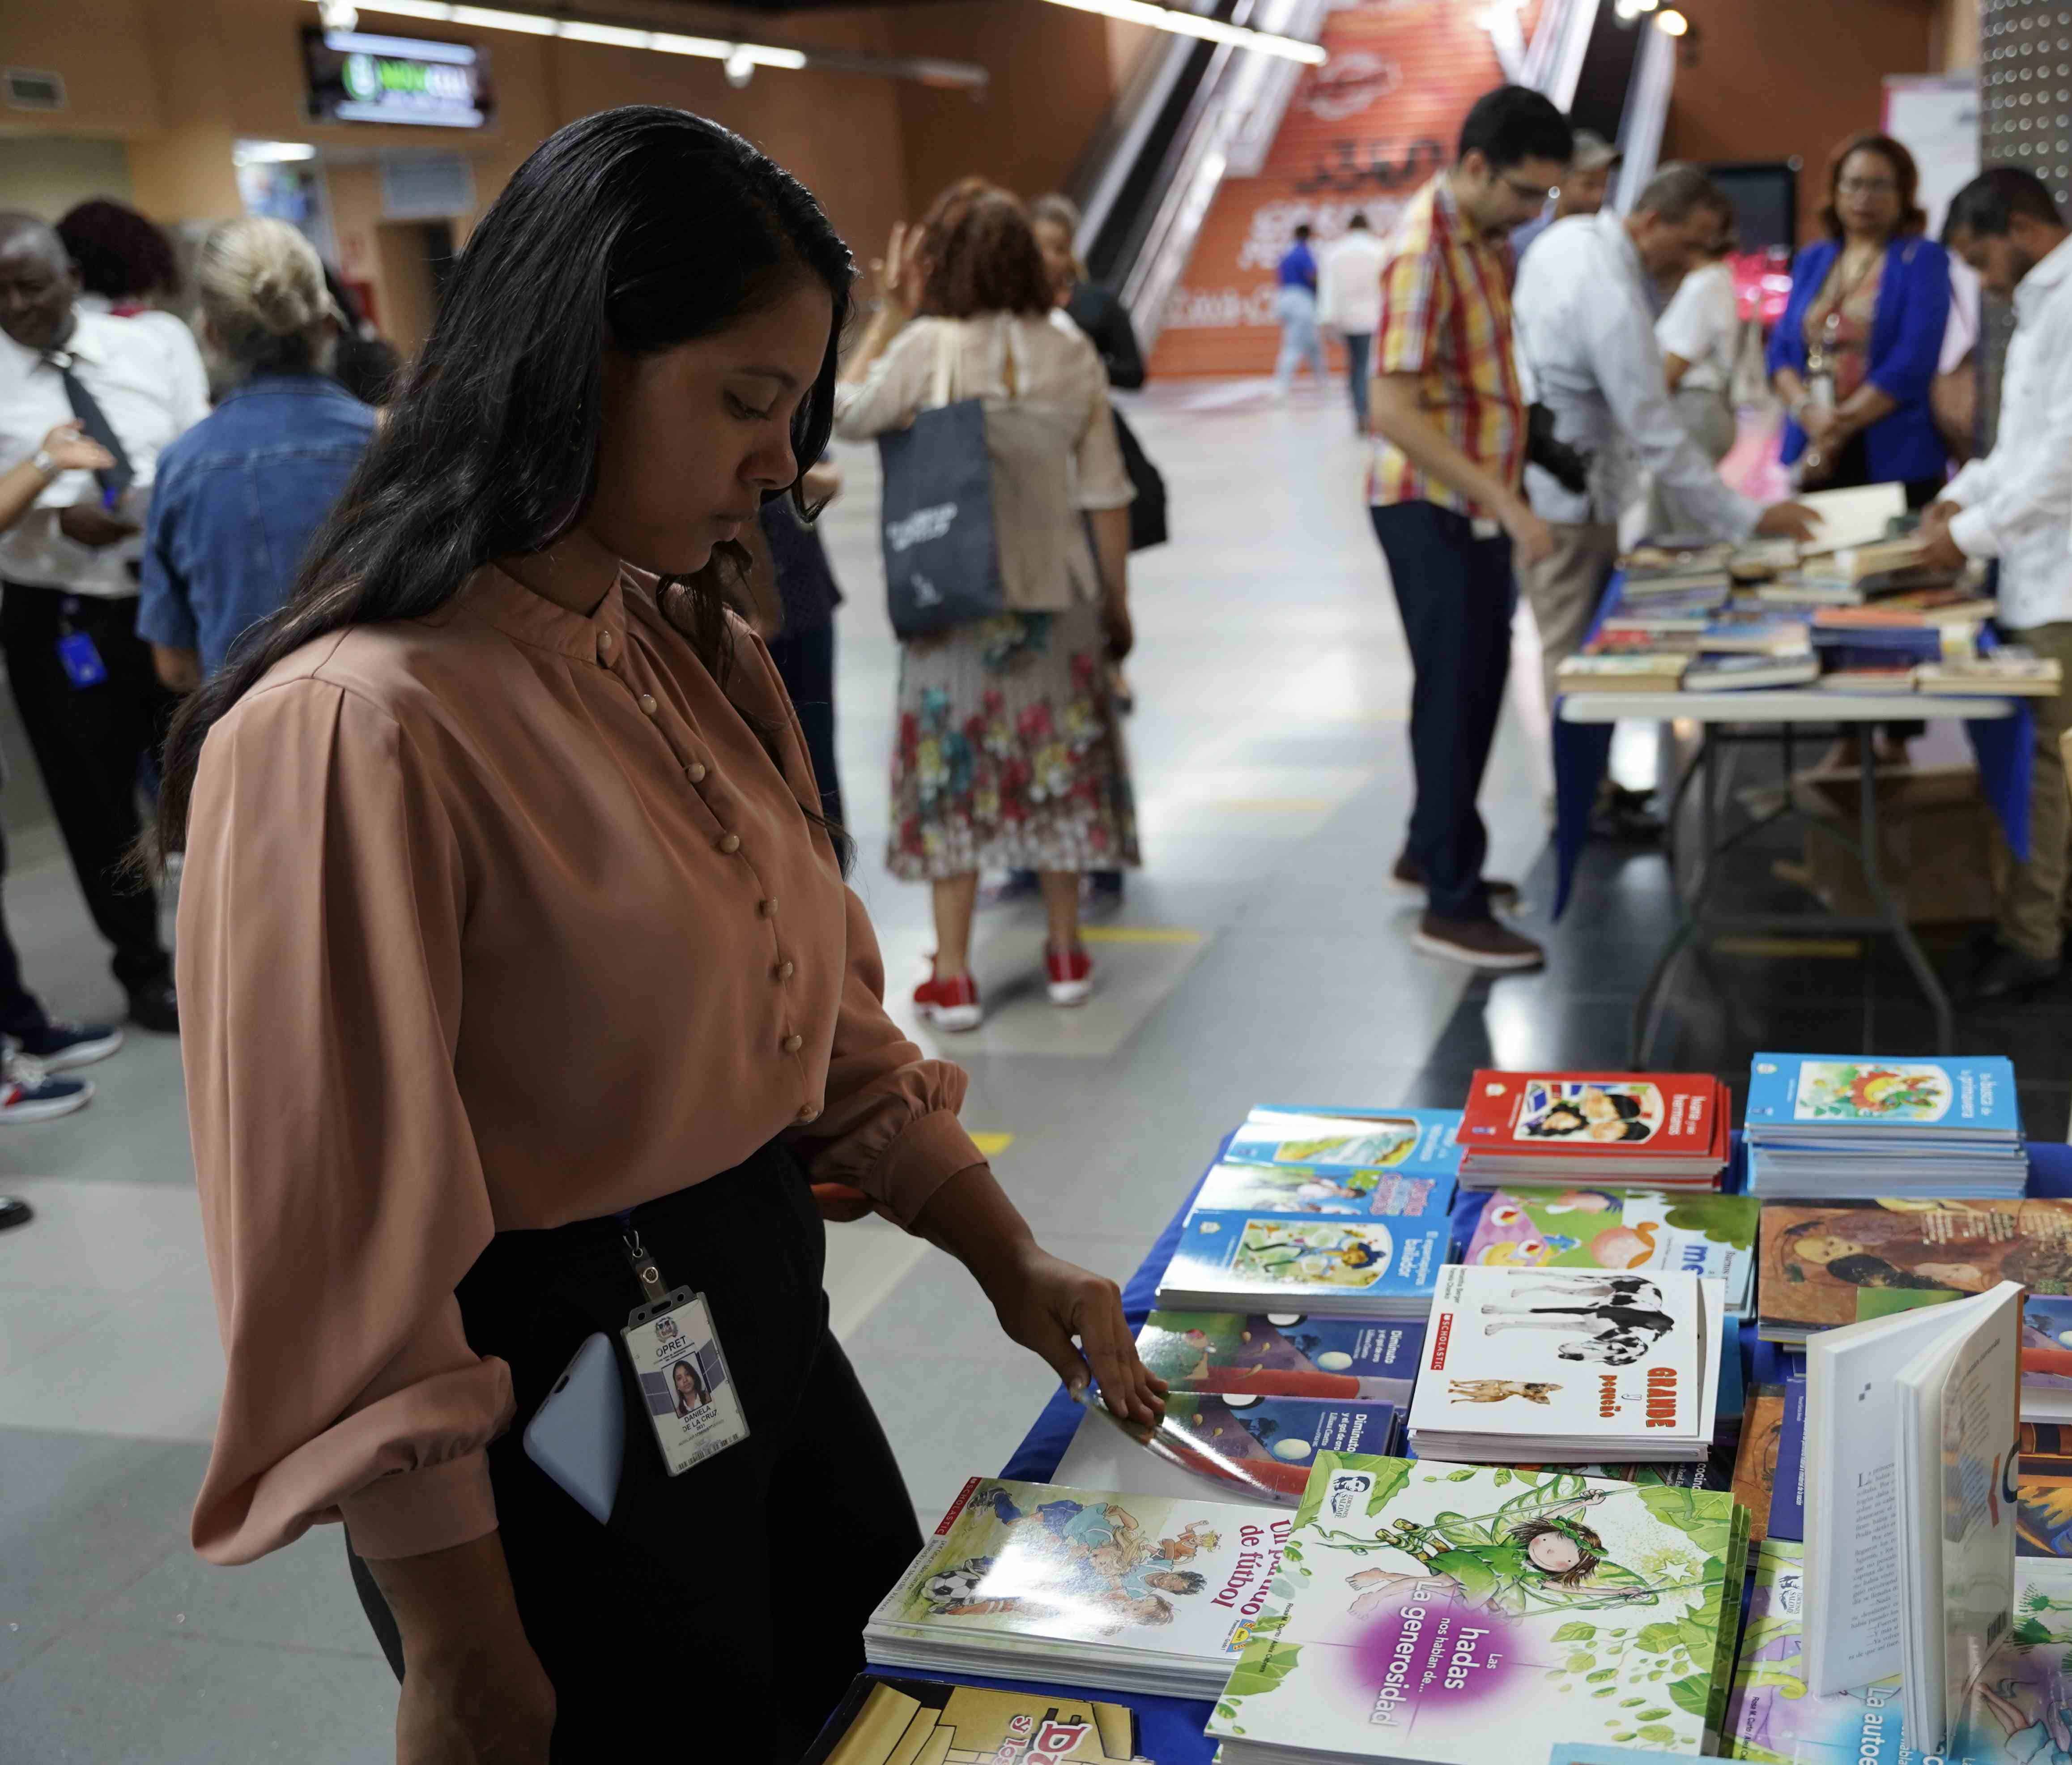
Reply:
x=1444 y=488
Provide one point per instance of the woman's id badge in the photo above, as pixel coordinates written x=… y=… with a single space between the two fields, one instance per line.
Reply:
x=683 y=1376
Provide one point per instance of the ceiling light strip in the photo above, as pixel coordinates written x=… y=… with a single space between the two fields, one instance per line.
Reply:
x=1193 y=24
x=672 y=43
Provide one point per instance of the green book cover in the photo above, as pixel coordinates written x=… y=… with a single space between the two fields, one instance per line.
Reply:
x=1424 y=1611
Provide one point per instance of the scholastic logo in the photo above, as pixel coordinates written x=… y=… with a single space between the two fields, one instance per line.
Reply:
x=1439 y=1338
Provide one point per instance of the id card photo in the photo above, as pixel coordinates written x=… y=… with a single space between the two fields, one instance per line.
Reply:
x=691 y=1401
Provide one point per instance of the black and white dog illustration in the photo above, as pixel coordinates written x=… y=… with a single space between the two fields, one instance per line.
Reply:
x=1621 y=1315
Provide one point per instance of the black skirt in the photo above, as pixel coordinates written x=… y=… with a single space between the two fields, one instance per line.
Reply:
x=748 y=1579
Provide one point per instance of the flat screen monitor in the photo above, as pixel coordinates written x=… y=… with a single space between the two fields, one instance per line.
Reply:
x=356 y=76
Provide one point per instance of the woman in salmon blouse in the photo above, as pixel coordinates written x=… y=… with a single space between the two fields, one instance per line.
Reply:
x=511 y=941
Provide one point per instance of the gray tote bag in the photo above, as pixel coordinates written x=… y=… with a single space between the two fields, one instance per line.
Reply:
x=942 y=549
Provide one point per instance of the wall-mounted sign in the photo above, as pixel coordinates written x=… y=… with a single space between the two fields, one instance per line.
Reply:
x=353 y=77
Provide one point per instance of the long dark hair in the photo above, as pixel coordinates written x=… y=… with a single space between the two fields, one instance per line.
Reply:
x=635 y=229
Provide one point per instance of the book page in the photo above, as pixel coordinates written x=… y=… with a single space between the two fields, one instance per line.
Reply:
x=1853 y=1525
x=1853 y=517
x=1981 y=1422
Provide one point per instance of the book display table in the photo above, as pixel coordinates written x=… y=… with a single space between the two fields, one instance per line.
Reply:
x=2001 y=731
x=1170 y=1730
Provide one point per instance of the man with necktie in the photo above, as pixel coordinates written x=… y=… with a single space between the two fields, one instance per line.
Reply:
x=83 y=680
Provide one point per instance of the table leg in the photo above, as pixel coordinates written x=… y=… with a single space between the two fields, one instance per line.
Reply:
x=1892 y=911
x=1646 y=1008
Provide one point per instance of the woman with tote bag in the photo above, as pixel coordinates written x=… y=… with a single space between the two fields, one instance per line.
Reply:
x=1008 y=754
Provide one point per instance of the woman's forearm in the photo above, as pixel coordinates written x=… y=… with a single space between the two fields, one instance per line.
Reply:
x=1865 y=406
x=1111 y=535
x=1789 y=388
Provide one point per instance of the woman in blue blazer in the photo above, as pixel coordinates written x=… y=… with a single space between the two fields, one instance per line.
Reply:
x=1854 y=355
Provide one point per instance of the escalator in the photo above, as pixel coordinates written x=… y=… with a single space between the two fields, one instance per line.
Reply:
x=1196 y=113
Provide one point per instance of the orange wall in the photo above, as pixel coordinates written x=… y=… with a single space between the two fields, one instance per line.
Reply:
x=1744 y=97
x=180 y=79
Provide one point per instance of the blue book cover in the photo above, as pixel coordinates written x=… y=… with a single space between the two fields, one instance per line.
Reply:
x=1733 y=1388
x=1233 y=1186
x=1411 y=1142
x=1352 y=1267
x=1590 y=1753
x=1973 y=1093
x=1787 y=1500
x=1288 y=1355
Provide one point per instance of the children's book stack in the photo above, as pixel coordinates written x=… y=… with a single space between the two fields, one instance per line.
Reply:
x=1238 y=1447
x=1468 y=1615
x=1566 y=1367
x=1821 y=1125
x=903 y=1721
x=1660 y=1129
x=1344 y=1215
x=1624 y=1231
x=1113 y=1592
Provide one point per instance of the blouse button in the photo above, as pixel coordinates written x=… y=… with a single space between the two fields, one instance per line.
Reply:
x=730 y=842
x=768 y=909
x=793 y=1042
x=604 y=643
x=697 y=771
x=786 y=970
x=647 y=703
x=809 y=1113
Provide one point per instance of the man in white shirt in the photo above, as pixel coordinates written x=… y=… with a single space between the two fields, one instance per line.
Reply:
x=1349 y=302
x=83 y=681
x=1586 y=330
x=2016 y=505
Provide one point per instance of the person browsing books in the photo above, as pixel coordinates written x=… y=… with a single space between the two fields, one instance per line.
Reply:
x=523 y=984
x=1449 y=410
x=2013 y=506
x=1586 y=328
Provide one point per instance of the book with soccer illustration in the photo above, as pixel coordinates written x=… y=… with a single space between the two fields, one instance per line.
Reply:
x=1825 y=1264
x=1347 y=1268
x=1420 y=1142
x=1232 y=1186
x=1285 y=1354
x=1622 y=1229
x=1655 y=1130
x=1434 y=1613
x=899 y=1722
x=1234 y=1448
x=1114 y=1591
x=1563 y=1365
x=2019 y=1712
x=2046 y=1357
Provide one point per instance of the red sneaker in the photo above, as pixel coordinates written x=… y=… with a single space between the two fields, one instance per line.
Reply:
x=1071 y=975
x=950 y=1004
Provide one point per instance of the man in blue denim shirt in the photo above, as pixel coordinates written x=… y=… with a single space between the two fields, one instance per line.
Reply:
x=238 y=498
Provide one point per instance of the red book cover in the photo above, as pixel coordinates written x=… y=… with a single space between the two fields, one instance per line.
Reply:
x=1598 y=1116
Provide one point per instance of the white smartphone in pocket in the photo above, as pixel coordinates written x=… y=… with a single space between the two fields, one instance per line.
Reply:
x=578 y=1435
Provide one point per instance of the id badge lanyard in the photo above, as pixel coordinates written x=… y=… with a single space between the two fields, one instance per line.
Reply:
x=669 y=1338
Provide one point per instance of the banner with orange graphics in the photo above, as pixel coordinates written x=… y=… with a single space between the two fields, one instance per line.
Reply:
x=1362 y=132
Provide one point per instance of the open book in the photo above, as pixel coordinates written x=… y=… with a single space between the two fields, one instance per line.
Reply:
x=1912 y=1423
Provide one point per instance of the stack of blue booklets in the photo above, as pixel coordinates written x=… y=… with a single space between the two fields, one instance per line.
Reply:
x=1335 y=1213
x=1848 y=1126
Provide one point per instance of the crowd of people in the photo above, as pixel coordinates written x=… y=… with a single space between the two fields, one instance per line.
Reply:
x=1538 y=369
x=425 y=696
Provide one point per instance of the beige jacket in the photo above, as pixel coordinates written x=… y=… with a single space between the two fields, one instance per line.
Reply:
x=1049 y=429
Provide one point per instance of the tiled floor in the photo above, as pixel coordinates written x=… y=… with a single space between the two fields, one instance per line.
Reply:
x=1260 y=955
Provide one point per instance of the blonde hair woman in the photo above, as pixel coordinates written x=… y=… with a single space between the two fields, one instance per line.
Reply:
x=239 y=494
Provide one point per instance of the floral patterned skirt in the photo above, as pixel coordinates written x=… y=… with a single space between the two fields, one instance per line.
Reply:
x=1009 y=755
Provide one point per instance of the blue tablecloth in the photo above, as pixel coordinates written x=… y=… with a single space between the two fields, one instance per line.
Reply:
x=2004 y=747
x=1170 y=1729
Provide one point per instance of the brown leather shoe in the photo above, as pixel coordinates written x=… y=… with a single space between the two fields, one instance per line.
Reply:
x=1409 y=873
x=1481 y=944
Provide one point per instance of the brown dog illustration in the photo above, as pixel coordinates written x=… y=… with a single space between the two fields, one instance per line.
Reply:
x=1494 y=1391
